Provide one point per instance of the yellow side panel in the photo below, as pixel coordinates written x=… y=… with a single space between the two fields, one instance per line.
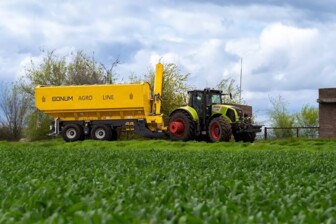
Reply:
x=94 y=101
x=155 y=123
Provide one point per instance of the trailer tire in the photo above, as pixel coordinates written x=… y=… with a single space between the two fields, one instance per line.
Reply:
x=72 y=133
x=181 y=126
x=101 y=132
x=219 y=130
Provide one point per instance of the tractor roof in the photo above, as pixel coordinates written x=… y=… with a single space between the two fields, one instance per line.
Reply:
x=207 y=90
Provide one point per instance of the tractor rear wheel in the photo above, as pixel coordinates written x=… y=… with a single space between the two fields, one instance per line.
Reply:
x=219 y=130
x=181 y=126
x=72 y=133
x=101 y=132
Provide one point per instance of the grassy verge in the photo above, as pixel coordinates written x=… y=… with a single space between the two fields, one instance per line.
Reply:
x=168 y=182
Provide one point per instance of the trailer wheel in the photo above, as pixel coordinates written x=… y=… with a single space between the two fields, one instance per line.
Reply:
x=181 y=126
x=101 y=132
x=72 y=132
x=219 y=130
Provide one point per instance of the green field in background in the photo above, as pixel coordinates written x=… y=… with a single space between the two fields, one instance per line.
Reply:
x=279 y=181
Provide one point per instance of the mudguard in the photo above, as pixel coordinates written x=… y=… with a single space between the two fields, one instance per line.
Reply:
x=190 y=110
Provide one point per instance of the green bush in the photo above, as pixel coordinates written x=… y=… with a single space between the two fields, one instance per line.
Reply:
x=38 y=126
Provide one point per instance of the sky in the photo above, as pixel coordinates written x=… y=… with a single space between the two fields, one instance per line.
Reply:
x=287 y=47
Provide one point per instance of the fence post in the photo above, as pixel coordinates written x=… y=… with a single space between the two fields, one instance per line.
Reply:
x=265 y=133
x=297 y=132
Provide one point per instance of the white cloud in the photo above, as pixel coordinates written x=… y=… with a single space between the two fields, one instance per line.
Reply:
x=285 y=50
x=285 y=54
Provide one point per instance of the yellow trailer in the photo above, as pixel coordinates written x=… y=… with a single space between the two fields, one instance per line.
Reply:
x=98 y=110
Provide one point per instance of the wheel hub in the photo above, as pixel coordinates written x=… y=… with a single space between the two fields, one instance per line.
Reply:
x=215 y=131
x=100 y=133
x=176 y=127
x=71 y=133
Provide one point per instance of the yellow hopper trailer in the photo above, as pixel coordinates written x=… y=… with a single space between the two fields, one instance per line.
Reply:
x=99 y=110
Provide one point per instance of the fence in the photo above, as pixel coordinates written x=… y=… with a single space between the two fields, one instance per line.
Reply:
x=291 y=132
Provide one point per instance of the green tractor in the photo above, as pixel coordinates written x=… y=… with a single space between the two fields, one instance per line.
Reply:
x=207 y=117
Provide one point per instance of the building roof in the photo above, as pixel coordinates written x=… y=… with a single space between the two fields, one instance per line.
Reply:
x=326 y=100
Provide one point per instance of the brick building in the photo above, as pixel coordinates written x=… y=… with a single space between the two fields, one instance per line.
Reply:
x=327 y=112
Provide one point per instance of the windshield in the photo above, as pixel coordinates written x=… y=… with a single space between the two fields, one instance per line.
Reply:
x=216 y=99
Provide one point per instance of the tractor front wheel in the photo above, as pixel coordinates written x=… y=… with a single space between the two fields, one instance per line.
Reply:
x=245 y=137
x=219 y=130
x=181 y=126
x=249 y=137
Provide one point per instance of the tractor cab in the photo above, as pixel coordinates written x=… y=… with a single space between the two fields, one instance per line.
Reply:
x=203 y=100
x=206 y=97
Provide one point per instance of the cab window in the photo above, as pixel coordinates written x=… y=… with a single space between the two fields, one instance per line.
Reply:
x=197 y=101
x=216 y=99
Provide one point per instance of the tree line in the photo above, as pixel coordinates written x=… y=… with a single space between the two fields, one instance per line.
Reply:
x=20 y=119
x=280 y=117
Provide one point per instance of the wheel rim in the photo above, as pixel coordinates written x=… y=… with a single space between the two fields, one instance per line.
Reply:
x=71 y=133
x=100 y=133
x=177 y=127
x=215 y=131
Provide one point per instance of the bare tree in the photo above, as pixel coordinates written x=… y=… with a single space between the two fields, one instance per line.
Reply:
x=228 y=86
x=52 y=71
x=14 y=105
x=84 y=70
x=109 y=74
x=75 y=69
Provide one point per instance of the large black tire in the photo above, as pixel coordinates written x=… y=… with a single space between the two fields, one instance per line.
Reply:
x=219 y=130
x=101 y=132
x=238 y=137
x=72 y=133
x=249 y=137
x=187 y=128
x=245 y=137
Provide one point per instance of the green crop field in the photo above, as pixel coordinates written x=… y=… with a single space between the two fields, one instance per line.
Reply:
x=283 y=181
